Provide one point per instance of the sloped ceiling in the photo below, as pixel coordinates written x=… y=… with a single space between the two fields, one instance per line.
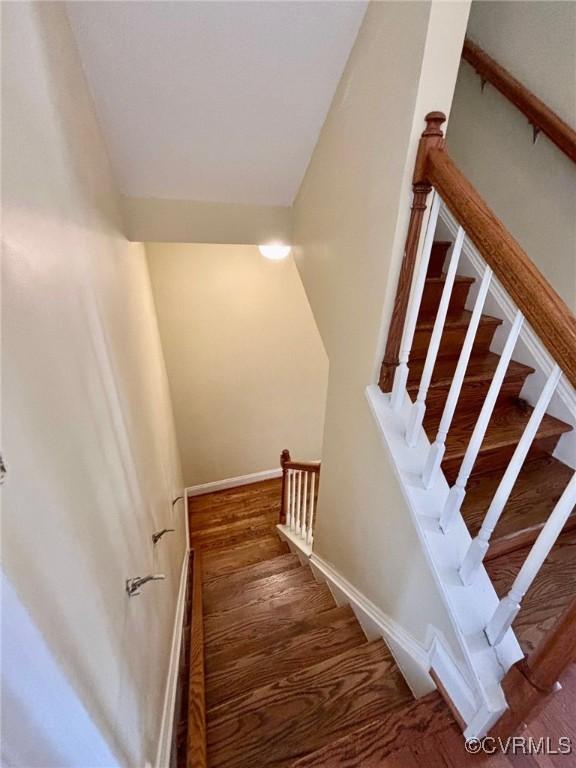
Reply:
x=213 y=101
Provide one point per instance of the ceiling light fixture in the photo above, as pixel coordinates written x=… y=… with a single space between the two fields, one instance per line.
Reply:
x=274 y=251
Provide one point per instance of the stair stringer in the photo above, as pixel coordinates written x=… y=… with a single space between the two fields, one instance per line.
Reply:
x=469 y=607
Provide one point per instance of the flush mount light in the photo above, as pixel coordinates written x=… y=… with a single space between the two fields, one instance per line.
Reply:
x=274 y=251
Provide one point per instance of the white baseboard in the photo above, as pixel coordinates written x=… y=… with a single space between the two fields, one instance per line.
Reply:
x=233 y=482
x=165 y=739
x=410 y=655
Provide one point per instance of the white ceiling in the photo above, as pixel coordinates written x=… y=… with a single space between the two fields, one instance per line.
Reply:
x=213 y=101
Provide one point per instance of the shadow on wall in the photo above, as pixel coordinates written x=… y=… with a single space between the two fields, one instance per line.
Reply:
x=246 y=365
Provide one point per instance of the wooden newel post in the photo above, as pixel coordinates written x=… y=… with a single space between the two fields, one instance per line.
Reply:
x=284 y=459
x=432 y=137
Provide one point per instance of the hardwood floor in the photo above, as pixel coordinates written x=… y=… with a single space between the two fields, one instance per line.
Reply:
x=288 y=673
x=292 y=681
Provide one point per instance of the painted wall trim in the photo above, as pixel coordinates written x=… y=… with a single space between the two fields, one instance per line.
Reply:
x=167 y=724
x=155 y=220
x=232 y=482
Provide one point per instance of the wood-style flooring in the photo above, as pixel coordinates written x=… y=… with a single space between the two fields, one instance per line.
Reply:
x=291 y=679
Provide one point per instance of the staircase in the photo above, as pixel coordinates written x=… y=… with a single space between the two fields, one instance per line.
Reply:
x=290 y=677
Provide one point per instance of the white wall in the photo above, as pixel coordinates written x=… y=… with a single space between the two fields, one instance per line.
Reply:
x=530 y=187
x=350 y=220
x=154 y=220
x=246 y=365
x=88 y=436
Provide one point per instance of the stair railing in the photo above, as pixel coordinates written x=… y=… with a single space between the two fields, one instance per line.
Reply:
x=539 y=115
x=536 y=303
x=300 y=482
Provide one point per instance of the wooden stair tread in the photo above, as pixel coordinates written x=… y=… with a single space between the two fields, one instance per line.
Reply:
x=535 y=493
x=552 y=591
x=281 y=658
x=505 y=428
x=297 y=626
x=481 y=367
x=397 y=729
x=218 y=562
x=245 y=595
x=459 y=279
x=233 y=504
x=247 y=529
x=460 y=320
x=287 y=719
x=265 y=616
x=249 y=573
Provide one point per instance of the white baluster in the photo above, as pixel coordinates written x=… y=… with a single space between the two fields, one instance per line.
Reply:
x=298 y=503
x=458 y=490
x=312 y=509
x=438 y=448
x=401 y=374
x=510 y=605
x=419 y=407
x=289 y=504
x=304 y=507
x=479 y=545
x=293 y=514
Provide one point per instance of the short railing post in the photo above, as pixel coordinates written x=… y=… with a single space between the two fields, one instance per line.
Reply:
x=284 y=459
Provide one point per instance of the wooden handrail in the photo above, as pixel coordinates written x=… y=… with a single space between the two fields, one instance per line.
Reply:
x=304 y=466
x=540 y=116
x=196 y=753
x=546 y=312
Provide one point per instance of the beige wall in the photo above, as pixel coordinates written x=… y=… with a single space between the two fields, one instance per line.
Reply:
x=187 y=221
x=88 y=435
x=350 y=221
x=246 y=365
x=530 y=187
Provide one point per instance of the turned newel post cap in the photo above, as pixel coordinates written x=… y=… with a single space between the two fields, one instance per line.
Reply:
x=434 y=122
x=284 y=457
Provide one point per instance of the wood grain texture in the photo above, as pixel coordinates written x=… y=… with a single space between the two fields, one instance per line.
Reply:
x=276 y=724
x=223 y=561
x=196 y=754
x=504 y=431
x=534 y=496
x=550 y=594
x=298 y=626
x=538 y=113
x=477 y=380
x=234 y=504
x=543 y=308
x=282 y=657
x=453 y=337
x=244 y=595
x=244 y=576
x=370 y=744
x=266 y=615
x=432 y=294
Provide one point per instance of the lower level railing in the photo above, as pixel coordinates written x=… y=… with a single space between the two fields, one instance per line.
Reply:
x=299 y=496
